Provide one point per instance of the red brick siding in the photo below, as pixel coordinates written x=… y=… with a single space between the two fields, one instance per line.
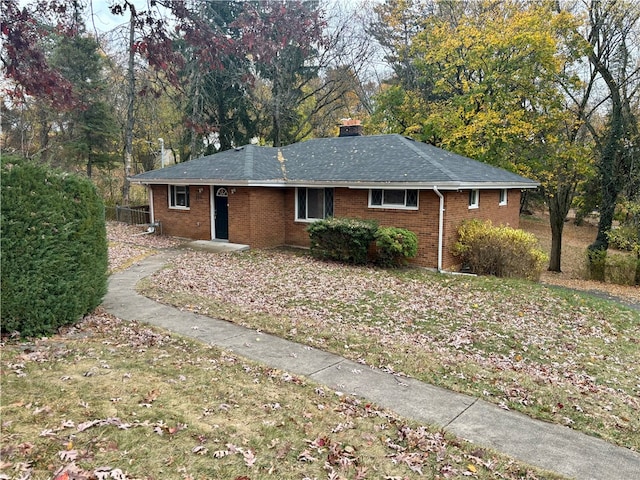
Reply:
x=192 y=223
x=424 y=222
x=265 y=217
x=256 y=216
x=240 y=215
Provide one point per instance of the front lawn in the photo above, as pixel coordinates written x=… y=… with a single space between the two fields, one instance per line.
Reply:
x=550 y=353
x=117 y=400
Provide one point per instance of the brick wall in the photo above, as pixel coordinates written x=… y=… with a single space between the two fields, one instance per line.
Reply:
x=256 y=216
x=192 y=223
x=265 y=217
x=424 y=222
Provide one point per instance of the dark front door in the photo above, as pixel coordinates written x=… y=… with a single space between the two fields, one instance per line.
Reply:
x=221 y=212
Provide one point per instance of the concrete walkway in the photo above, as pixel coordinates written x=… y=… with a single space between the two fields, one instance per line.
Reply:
x=548 y=446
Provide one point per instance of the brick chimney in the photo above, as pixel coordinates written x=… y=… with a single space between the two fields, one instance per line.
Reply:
x=350 y=128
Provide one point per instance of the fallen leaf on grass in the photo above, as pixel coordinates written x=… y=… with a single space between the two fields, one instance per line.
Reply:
x=249 y=458
x=199 y=450
x=150 y=397
x=306 y=456
x=68 y=455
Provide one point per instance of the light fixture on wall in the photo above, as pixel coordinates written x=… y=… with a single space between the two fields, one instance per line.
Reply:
x=233 y=190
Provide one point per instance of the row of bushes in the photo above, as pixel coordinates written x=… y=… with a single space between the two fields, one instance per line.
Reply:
x=482 y=248
x=350 y=240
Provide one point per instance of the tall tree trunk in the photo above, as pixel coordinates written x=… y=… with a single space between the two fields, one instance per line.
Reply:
x=611 y=178
x=557 y=226
x=131 y=95
x=276 y=135
x=559 y=204
x=196 y=114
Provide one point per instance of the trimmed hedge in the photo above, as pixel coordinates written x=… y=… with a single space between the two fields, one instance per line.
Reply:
x=349 y=240
x=500 y=251
x=395 y=246
x=54 y=248
x=342 y=239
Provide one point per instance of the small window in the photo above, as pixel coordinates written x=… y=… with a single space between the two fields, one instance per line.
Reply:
x=314 y=203
x=379 y=198
x=503 y=196
x=474 y=198
x=179 y=196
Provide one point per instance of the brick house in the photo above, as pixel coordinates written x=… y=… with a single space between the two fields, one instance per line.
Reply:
x=267 y=196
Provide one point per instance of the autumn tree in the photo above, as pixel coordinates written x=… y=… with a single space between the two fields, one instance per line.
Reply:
x=219 y=112
x=606 y=102
x=23 y=55
x=483 y=83
x=282 y=40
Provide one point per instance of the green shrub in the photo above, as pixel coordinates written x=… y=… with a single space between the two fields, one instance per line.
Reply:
x=596 y=264
x=395 y=246
x=604 y=266
x=54 y=248
x=624 y=237
x=500 y=251
x=342 y=239
x=621 y=269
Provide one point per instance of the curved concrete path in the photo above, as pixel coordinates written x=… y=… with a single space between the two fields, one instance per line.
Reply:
x=548 y=446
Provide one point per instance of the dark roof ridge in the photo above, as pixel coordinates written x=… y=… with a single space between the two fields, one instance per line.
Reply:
x=411 y=144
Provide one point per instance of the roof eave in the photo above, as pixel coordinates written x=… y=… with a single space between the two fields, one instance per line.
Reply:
x=335 y=183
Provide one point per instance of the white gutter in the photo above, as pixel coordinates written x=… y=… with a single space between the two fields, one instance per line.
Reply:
x=440 y=226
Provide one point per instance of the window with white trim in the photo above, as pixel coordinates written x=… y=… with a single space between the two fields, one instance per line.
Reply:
x=314 y=203
x=474 y=198
x=179 y=196
x=503 y=197
x=402 y=199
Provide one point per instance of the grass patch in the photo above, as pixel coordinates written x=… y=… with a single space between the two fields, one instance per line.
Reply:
x=113 y=399
x=553 y=354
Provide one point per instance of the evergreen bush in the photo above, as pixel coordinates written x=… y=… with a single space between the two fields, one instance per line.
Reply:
x=395 y=246
x=54 y=248
x=342 y=239
x=501 y=251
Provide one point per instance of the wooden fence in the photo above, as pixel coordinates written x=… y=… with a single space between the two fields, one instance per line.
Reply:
x=138 y=215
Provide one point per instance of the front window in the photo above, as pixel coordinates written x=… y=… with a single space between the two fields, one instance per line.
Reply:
x=503 y=196
x=380 y=198
x=314 y=203
x=474 y=198
x=179 y=196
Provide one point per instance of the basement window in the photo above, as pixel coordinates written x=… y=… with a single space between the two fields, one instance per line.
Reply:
x=314 y=204
x=179 y=196
x=400 y=199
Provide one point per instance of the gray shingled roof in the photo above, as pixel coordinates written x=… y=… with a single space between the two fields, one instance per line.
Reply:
x=365 y=161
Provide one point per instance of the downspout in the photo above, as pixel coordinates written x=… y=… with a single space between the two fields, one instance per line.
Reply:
x=152 y=218
x=440 y=226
